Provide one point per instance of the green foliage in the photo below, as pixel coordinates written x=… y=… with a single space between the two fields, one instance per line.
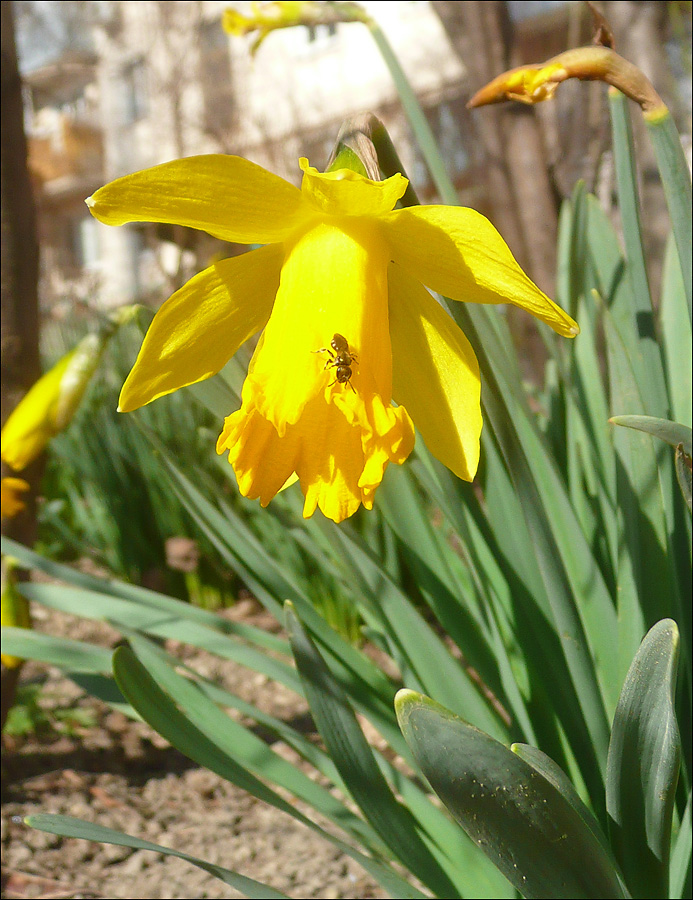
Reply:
x=28 y=716
x=535 y=835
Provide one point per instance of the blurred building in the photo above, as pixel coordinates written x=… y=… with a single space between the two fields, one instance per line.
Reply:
x=163 y=80
x=63 y=121
x=138 y=82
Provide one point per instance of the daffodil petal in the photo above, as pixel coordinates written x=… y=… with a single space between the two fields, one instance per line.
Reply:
x=263 y=462
x=346 y=193
x=200 y=327
x=228 y=197
x=457 y=252
x=435 y=374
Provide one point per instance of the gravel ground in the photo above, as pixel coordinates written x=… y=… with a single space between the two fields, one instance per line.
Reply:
x=121 y=774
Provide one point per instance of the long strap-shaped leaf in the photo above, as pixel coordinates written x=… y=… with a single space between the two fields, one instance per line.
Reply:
x=639 y=319
x=643 y=764
x=353 y=757
x=160 y=710
x=66 y=826
x=369 y=686
x=245 y=747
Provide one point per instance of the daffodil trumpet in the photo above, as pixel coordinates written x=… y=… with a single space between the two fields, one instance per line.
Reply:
x=340 y=268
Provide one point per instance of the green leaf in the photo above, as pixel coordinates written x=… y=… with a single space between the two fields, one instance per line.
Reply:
x=676 y=180
x=676 y=336
x=64 y=652
x=670 y=432
x=643 y=764
x=648 y=583
x=421 y=650
x=245 y=747
x=519 y=819
x=650 y=373
x=127 y=616
x=66 y=826
x=354 y=759
x=557 y=777
x=161 y=711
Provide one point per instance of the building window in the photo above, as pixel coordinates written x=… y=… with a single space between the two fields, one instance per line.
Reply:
x=84 y=242
x=215 y=74
x=321 y=33
x=450 y=139
x=135 y=93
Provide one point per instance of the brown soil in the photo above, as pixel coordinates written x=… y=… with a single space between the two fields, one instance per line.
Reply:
x=121 y=774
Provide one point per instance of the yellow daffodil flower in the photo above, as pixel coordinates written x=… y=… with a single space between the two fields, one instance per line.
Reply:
x=11 y=490
x=264 y=18
x=347 y=325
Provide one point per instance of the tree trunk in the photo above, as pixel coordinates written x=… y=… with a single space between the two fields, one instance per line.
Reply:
x=521 y=200
x=18 y=282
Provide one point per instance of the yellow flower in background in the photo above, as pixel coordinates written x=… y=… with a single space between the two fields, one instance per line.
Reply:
x=267 y=17
x=49 y=405
x=347 y=325
x=14 y=608
x=11 y=501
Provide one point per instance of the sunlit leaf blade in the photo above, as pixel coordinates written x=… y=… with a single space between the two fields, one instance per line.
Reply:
x=648 y=585
x=676 y=337
x=64 y=652
x=517 y=817
x=676 y=180
x=245 y=746
x=66 y=826
x=128 y=615
x=369 y=687
x=670 y=432
x=421 y=651
x=168 y=607
x=346 y=744
x=650 y=373
x=643 y=764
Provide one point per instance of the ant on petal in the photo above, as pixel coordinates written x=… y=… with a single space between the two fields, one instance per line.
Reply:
x=341 y=359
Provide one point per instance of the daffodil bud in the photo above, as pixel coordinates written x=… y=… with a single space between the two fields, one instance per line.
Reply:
x=47 y=408
x=533 y=84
